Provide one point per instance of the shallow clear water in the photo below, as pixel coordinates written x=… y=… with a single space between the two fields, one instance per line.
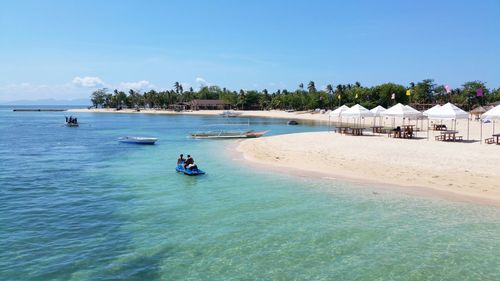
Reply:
x=77 y=205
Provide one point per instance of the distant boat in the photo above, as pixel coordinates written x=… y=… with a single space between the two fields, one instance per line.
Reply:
x=292 y=122
x=221 y=134
x=230 y=113
x=71 y=122
x=137 y=140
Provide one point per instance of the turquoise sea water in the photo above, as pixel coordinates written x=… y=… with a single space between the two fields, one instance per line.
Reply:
x=77 y=205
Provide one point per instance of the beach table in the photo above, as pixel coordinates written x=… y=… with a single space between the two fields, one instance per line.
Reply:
x=377 y=129
x=342 y=129
x=407 y=131
x=357 y=131
x=395 y=133
x=449 y=135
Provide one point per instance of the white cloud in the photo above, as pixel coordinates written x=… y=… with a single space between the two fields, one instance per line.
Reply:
x=88 y=82
x=202 y=82
x=138 y=86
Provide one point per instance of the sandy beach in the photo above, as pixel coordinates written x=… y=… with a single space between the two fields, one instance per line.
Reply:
x=465 y=171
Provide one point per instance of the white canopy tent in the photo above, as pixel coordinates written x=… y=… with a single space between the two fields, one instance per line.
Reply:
x=492 y=114
x=430 y=110
x=337 y=113
x=357 y=111
x=377 y=111
x=402 y=111
x=449 y=111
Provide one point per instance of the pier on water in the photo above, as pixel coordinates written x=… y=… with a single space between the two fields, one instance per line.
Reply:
x=39 y=109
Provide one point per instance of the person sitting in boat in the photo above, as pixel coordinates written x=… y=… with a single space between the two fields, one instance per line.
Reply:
x=189 y=163
x=181 y=159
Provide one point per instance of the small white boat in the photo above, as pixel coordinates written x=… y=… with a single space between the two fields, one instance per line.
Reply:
x=230 y=113
x=137 y=140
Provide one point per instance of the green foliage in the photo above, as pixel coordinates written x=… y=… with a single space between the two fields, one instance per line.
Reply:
x=423 y=92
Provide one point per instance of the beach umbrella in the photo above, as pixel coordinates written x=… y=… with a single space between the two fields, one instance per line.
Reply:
x=377 y=111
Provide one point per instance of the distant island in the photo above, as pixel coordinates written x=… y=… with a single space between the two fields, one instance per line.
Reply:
x=420 y=95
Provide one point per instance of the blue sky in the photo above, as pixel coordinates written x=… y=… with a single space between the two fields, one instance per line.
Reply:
x=65 y=49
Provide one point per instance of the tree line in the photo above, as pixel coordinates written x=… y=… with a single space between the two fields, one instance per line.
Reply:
x=306 y=97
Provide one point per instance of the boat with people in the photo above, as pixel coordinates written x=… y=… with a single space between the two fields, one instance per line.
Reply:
x=187 y=166
x=190 y=171
x=222 y=134
x=71 y=121
x=137 y=140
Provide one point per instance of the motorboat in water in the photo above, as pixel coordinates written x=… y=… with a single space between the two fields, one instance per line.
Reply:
x=137 y=140
x=227 y=134
x=193 y=171
x=230 y=113
x=292 y=122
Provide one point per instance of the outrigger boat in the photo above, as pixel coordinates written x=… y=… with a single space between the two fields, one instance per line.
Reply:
x=137 y=140
x=227 y=134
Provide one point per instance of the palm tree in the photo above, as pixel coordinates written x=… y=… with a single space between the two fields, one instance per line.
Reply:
x=311 y=87
x=329 y=89
x=177 y=87
x=301 y=86
x=242 y=98
x=358 y=85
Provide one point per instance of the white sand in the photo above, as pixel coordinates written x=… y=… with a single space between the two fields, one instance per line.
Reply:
x=467 y=170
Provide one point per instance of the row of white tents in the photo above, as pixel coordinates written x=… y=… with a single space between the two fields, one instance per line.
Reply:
x=448 y=111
